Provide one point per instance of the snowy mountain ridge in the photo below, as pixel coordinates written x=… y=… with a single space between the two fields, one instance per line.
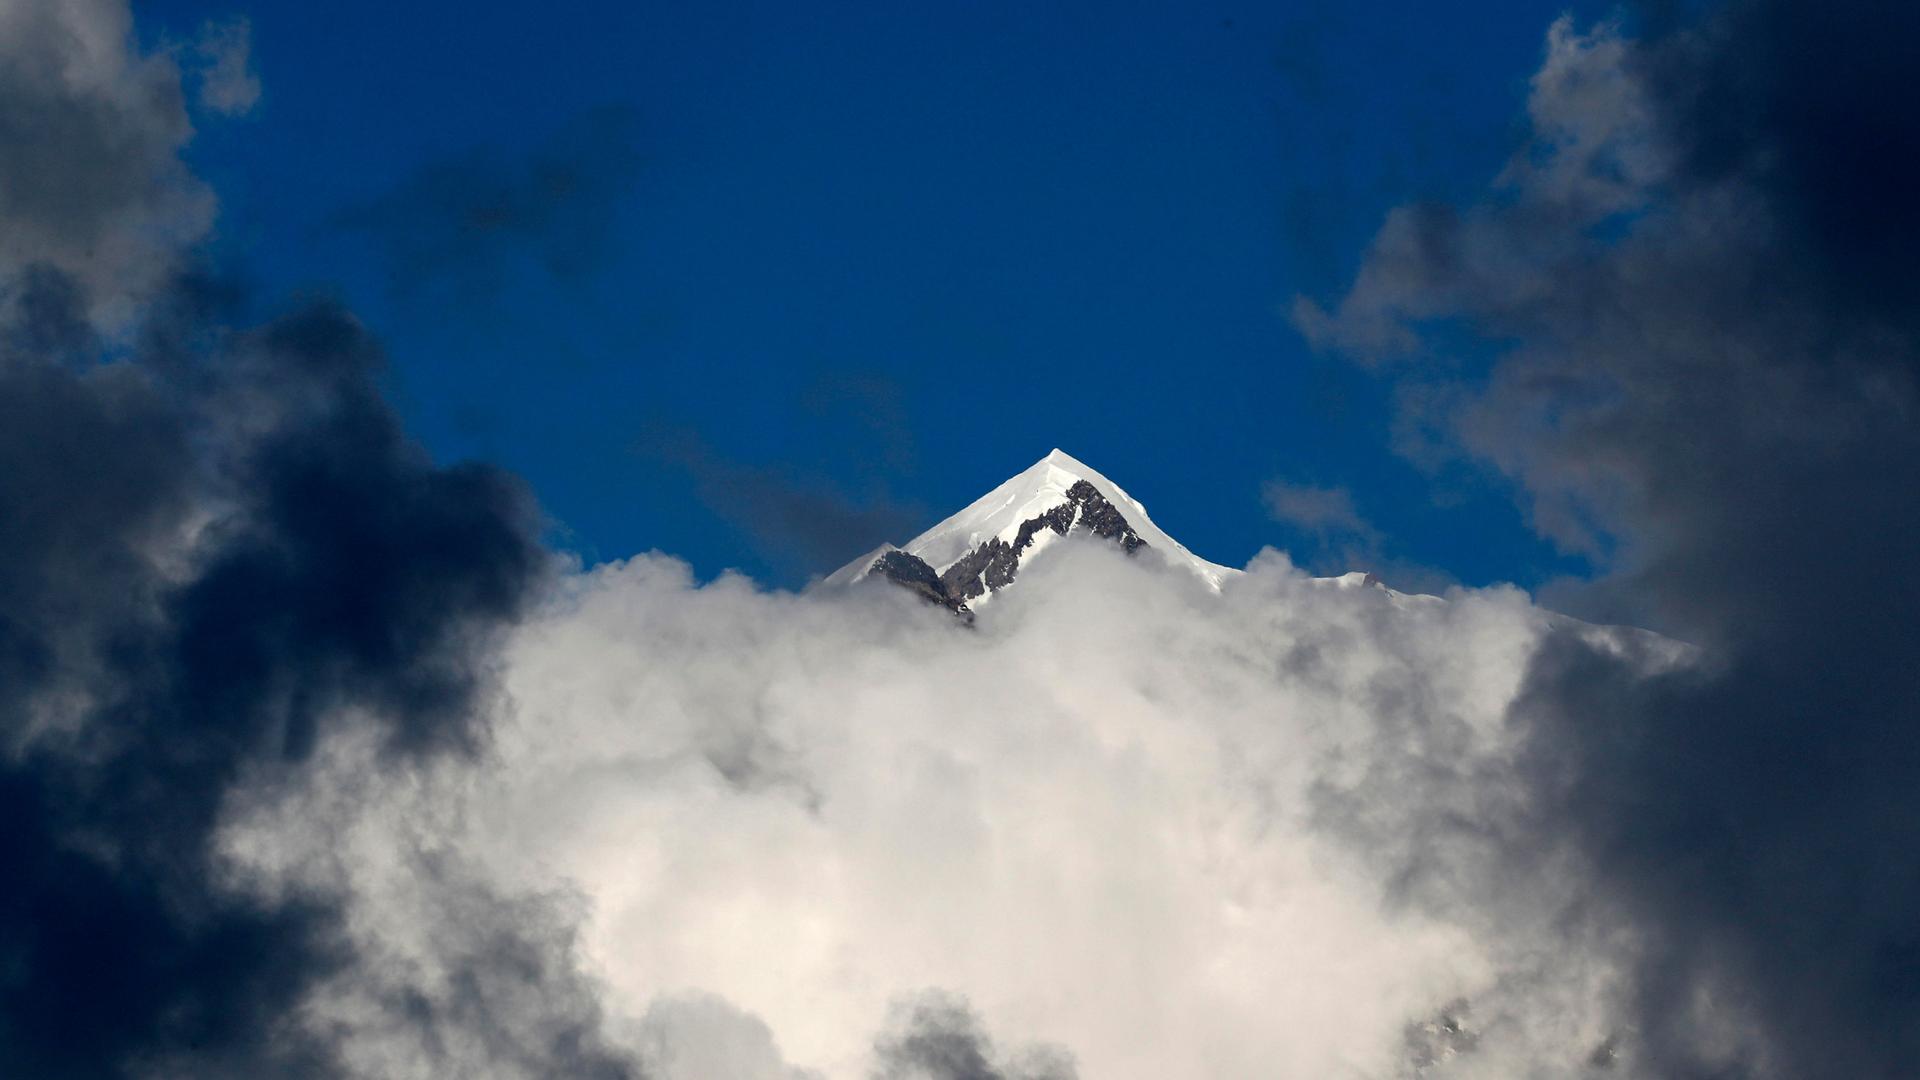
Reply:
x=961 y=562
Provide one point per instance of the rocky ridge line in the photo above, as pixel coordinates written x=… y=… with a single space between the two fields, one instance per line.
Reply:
x=994 y=563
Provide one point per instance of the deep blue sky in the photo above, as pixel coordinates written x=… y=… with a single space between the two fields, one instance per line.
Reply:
x=752 y=284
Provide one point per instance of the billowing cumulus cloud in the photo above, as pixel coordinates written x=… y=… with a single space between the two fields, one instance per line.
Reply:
x=1121 y=826
x=1695 y=286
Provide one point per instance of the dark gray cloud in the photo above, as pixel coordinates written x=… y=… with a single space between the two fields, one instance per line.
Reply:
x=207 y=571
x=91 y=183
x=1696 y=287
x=465 y=221
x=218 y=552
x=936 y=1036
x=504 y=997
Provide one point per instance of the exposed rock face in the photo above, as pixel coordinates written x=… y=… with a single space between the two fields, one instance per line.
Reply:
x=995 y=562
x=1101 y=518
x=991 y=565
x=911 y=572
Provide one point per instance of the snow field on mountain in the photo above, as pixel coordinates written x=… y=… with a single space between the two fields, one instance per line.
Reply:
x=1023 y=497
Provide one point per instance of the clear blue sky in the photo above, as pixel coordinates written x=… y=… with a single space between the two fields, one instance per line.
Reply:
x=678 y=264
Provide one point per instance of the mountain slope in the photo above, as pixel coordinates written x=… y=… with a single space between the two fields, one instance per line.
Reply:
x=961 y=562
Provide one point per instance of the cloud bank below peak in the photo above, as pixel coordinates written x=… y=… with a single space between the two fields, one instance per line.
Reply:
x=1130 y=826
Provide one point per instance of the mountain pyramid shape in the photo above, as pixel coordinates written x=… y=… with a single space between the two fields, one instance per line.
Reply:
x=961 y=562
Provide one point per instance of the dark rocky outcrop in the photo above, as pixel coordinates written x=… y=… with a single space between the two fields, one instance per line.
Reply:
x=910 y=571
x=995 y=563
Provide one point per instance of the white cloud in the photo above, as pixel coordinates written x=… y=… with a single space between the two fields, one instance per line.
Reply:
x=1167 y=831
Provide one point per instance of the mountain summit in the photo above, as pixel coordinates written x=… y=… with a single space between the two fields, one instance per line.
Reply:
x=961 y=562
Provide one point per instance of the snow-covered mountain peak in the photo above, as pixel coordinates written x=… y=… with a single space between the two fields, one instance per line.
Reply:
x=963 y=560
x=1025 y=495
x=1046 y=484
